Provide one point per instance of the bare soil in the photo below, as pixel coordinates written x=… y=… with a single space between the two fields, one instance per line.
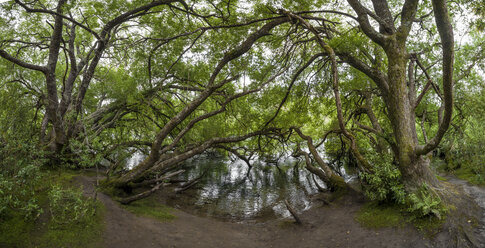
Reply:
x=323 y=226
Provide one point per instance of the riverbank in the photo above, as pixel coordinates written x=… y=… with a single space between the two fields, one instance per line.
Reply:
x=324 y=225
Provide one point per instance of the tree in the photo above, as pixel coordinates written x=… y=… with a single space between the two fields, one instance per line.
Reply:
x=79 y=63
x=175 y=79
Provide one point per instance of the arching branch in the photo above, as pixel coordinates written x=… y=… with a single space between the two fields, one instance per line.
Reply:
x=445 y=30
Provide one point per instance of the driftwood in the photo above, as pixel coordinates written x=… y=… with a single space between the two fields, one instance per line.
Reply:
x=293 y=212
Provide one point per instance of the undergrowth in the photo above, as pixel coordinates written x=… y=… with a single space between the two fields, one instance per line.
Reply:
x=392 y=205
x=65 y=218
x=375 y=215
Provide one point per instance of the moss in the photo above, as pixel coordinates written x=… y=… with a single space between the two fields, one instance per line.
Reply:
x=285 y=224
x=469 y=175
x=62 y=177
x=441 y=178
x=15 y=230
x=473 y=221
x=149 y=207
x=339 y=186
x=429 y=225
x=372 y=215
x=338 y=182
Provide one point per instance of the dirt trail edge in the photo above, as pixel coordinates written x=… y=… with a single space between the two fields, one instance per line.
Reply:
x=325 y=226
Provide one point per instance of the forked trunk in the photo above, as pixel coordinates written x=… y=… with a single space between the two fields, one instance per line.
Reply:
x=415 y=169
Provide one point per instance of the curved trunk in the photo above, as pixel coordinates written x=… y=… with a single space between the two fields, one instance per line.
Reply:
x=325 y=173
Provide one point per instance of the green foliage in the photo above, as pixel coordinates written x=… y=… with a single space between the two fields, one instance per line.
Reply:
x=424 y=202
x=85 y=233
x=85 y=155
x=463 y=146
x=384 y=184
x=67 y=206
x=20 y=177
x=68 y=220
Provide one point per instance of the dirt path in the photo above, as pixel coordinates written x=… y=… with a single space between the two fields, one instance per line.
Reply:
x=478 y=195
x=325 y=226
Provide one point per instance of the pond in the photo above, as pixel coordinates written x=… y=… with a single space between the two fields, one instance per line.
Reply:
x=230 y=190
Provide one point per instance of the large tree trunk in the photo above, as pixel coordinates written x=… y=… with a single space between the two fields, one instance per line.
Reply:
x=414 y=168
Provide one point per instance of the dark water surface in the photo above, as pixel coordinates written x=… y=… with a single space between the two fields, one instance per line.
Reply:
x=230 y=190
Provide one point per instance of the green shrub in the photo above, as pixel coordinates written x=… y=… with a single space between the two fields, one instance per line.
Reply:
x=384 y=184
x=20 y=176
x=68 y=206
x=423 y=202
x=463 y=151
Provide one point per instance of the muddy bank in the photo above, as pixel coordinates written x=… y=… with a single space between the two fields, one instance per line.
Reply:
x=324 y=226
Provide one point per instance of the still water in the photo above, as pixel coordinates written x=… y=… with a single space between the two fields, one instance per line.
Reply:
x=229 y=189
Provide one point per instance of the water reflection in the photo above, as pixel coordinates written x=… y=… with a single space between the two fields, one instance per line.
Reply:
x=231 y=189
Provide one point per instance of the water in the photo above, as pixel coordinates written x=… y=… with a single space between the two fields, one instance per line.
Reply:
x=230 y=190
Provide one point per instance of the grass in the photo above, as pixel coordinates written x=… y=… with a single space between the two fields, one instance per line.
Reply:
x=375 y=216
x=16 y=231
x=469 y=175
x=372 y=215
x=149 y=207
x=76 y=235
x=441 y=178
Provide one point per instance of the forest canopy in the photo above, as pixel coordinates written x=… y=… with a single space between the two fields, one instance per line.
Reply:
x=389 y=87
